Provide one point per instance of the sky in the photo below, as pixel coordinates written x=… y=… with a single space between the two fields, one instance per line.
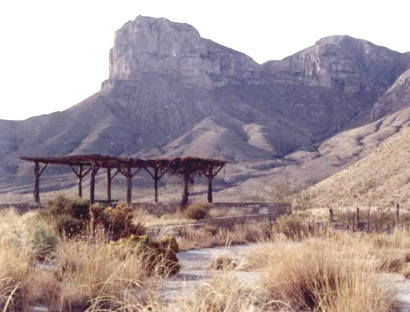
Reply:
x=54 y=53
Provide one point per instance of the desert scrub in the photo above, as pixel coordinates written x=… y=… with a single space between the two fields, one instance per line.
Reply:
x=197 y=211
x=117 y=222
x=70 y=217
x=76 y=219
x=294 y=227
x=319 y=275
x=94 y=270
x=158 y=257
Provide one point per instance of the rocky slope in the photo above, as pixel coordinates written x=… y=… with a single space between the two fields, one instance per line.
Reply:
x=382 y=178
x=171 y=92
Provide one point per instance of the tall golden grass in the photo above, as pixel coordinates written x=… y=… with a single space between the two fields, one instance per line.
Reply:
x=322 y=274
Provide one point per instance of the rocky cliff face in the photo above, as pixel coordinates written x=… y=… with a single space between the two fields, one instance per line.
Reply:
x=171 y=92
x=176 y=50
x=395 y=98
x=341 y=62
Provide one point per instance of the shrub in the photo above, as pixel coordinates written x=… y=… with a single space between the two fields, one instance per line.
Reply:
x=197 y=211
x=72 y=218
x=117 y=222
x=159 y=257
x=314 y=275
x=293 y=227
x=224 y=262
x=69 y=217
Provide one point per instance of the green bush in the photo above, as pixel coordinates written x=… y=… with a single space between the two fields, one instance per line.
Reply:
x=197 y=211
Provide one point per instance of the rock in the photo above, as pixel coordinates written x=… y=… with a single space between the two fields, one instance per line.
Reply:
x=176 y=50
x=341 y=62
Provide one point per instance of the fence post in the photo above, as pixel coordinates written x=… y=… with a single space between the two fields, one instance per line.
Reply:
x=357 y=218
x=397 y=215
x=331 y=216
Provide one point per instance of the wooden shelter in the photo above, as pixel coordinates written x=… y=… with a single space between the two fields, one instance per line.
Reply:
x=82 y=165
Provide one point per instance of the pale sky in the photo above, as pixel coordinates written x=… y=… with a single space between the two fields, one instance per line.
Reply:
x=54 y=53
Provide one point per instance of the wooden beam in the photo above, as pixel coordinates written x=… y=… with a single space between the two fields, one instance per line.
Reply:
x=94 y=170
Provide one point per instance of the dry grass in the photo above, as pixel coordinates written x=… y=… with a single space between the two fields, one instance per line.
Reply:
x=319 y=275
x=150 y=220
x=223 y=293
x=379 y=179
x=313 y=270
x=212 y=235
x=80 y=274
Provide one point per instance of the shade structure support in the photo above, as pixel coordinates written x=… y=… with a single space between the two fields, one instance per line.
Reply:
x=128 y=173
x=110 y=177
x=94 y=171
x=80 y=174
x=211 y=173
x=156 y=174
x=38 y=171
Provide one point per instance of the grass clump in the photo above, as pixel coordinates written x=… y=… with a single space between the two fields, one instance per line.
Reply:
x=317 y=275
x=197 y=211
x=159 y=257
x=293 y=226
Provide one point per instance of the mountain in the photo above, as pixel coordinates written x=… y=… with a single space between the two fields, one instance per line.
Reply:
x=382 y=178
x=171 y=92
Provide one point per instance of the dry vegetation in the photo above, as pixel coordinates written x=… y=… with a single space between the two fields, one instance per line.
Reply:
x=303 y=265
x=378 y=179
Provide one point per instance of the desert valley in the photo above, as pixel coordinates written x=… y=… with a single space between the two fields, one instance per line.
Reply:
x=307 y=158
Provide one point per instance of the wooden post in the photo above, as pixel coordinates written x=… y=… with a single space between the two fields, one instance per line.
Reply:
x=211 y=174
x=210 y=177
x=156 y=184
x=397 y=215
x=357 y=218
x=129 y=186
x=109 y=184
x=37 y=174
x=331 y=216
x=94 y=170
x=80 y=181
x=185 y=192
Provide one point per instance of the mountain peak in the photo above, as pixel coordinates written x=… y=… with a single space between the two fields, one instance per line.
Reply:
x=341 y=62
x=157 y=45
x=337 y=39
